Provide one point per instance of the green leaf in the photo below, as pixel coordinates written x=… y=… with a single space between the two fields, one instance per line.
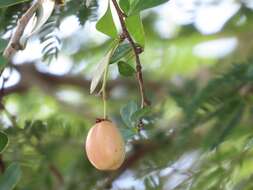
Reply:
x=98 y=73
x=3 y=141
x=10 y=177
x=120 y=52
x=7 y=3
x=35 y=128
x=124 y=5
x=135 y=27
x=106 y=24
x=139 y=5
x=127 y=111
x=141 y=113
x=125 y=69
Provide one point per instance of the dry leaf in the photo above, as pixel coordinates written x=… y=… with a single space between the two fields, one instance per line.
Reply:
x=98 y=73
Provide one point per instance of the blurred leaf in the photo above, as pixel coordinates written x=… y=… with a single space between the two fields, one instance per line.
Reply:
x=3 y=141
x=225 y=125
x=3 y=62
x=35 y=128
x=135 y=28
x=139 y=5
x=88 y=3
x=7 y=3
x=10 y=177
x=43 y=14
x=219 y=90
x=141 y=113
x=106 y=24
x=127 y=111
x=127 y=133
x=98 y=73
x=125 y=69
x=245 y=184
x=50 y=40
x=121 y=51
x=124 y=5
x=3 y=44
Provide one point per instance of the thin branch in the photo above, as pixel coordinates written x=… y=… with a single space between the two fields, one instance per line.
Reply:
x=2 y=164
x=143 y=149
x=14 y=43
x=11 y=117
x=137 y=50
x=31 y=77
x=55 y=172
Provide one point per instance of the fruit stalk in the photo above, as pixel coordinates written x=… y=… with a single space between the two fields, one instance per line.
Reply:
x=104 y=92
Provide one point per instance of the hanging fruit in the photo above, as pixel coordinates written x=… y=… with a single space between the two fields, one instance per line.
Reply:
x=105 y=146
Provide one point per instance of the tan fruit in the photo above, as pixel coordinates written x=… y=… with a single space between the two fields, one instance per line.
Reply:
x=105 y=146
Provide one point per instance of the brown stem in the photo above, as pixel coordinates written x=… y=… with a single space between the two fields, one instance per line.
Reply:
x=56 y=173
x=14 y=43
x=2 y=164
x=31 y=77
x=136 y=49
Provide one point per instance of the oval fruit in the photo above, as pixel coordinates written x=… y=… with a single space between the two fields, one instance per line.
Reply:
x=105 y=146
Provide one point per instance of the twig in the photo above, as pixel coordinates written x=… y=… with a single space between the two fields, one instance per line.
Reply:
x=137 y=50
x=31 y=77
x=14 y=43
x=2 y=107
x=11 y=117
x=104 y=92
x=56 y=173
x=2 y=164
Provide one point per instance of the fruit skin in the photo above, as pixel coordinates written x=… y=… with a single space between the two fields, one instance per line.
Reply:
x=105 y=146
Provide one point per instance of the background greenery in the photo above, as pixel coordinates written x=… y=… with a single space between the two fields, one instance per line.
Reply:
x=197 y=134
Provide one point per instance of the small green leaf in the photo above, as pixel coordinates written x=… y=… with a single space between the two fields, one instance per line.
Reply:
x=135 y=27
x=106 y=24
x=8 y=3
x=127 y=111
x=3 y=141
x=124 y=5
x=120 y=52
x=139 y=5
x=141 y=113
x=125 y=69
x=10 y=177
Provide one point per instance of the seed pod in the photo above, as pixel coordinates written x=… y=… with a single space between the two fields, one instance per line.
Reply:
x=105 y=146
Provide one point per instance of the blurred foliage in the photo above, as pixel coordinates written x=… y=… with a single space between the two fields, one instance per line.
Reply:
x=197 y=135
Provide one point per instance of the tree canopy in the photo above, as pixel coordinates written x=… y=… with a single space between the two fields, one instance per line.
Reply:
x=175 y=77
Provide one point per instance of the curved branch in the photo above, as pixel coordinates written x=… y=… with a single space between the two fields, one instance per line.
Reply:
x=14 y=43
x=31 y=77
